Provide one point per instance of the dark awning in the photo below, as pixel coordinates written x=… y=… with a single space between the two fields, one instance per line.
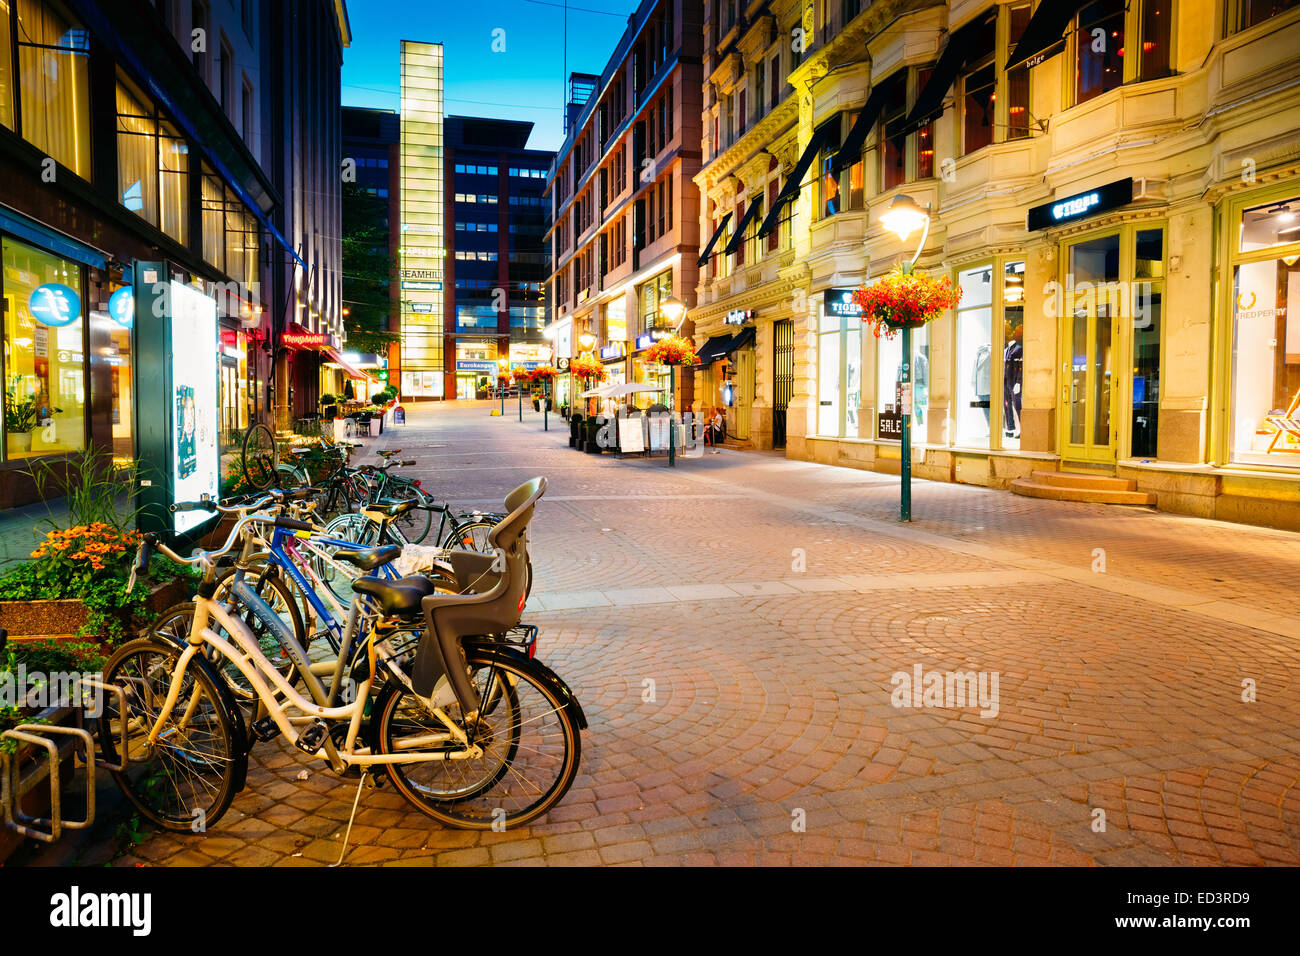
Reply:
x=929 y=102
x=713 y=241
x=851 y=150
x=1044 y=35
x=714 y=349
x=738 y=236
x=794 y=182
x=741 y=339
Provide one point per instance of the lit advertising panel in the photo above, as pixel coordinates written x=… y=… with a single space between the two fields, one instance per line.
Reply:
x=194 y=403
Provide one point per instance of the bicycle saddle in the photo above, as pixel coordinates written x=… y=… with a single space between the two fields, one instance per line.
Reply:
x=400 y=598
x=388 y=452
x=367 y=559
x=393 y=509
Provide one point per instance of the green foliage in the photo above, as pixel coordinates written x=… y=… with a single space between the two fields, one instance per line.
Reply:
x=378 y=398
x=92 y=481
x=90 y=563
x=328 y=399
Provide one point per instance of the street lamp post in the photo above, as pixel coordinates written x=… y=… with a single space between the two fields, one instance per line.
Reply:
x=903 y=218
x=674 y=310
x=504 y=365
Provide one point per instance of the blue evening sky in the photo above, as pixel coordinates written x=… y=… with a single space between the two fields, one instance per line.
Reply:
x=527 y=81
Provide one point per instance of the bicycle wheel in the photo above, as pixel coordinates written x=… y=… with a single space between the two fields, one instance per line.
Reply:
x=187 y=778
x=530 y=742
x=284 y=602
x=261 y=457
x=471 y=535
x=415 y=524
x=350 y=527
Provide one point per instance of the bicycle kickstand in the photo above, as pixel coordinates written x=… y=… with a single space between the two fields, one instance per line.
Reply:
x=343 y=850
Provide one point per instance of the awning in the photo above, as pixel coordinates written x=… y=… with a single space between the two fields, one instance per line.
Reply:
x=738 y=236
x=714 y=349
x=851 y=150
x=1044 y=35
x=794 y=182
x=713 y=241
x=743 y=338
x=332 y=355
x=929 y=102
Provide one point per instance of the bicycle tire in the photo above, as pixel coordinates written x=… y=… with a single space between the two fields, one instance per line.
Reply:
x=161 y=778
x=356 y=528
x=470 y=535
x=260 y=456
x=474 y=796
x=417 y=522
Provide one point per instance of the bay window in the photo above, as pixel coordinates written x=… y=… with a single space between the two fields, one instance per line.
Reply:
x=152 y=164
x=994 y=101
x=53 y=81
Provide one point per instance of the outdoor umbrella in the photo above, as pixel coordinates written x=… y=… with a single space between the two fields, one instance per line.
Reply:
x=618 y=391
x=602 y=391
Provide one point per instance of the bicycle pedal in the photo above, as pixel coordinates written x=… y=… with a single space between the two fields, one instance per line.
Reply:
x=313 y=737
x=265 y=729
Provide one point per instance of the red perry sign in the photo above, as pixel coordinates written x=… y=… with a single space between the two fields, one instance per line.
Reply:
x=304 y=340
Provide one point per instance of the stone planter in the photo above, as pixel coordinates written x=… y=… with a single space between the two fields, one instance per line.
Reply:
x=62 y=619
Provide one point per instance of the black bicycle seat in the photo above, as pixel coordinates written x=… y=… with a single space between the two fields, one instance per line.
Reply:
x=367 y=559
x=401 y=597
x=391 y=508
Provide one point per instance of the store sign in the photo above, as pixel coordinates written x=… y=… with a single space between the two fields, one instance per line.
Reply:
x=889 y=424
x=644 y=341
x=422 y=286
x=303 y=340
x=840 y=302
x=612 y=351
x=1081 y=205
x=419 y=274
x=421 y=306
x=121 y=306
x=54 y=304
x=739 y=316
x=476 y=366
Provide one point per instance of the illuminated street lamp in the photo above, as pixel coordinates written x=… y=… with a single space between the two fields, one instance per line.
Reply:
x=672 y=312
x=504 y=365
x=586 y=341
x=903 y=218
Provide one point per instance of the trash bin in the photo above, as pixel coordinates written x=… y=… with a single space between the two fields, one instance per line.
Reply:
x=575 y=430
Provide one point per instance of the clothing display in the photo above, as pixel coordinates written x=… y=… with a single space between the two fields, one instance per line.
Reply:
x=1012 y=370
x=980 y=378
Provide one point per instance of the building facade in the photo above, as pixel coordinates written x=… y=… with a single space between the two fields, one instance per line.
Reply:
x=124 y=138
x=1112 y=186
x=496 y=261
x=626 y=214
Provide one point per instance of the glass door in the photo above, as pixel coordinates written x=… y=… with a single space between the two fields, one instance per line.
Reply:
x=1089 y=328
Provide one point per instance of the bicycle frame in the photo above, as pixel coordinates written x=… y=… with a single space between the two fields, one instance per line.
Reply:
x=261 y=674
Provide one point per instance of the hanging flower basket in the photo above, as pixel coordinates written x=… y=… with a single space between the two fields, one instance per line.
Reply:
x=589 y=369
x=904 y=299
x=521 y=375
x=673 y=350
x=544 y=374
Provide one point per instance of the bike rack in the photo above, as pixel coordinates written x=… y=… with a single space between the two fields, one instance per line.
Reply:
x=15 y=785
x=123 y=745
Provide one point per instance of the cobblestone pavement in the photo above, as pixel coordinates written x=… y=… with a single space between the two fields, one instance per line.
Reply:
x=772 y=603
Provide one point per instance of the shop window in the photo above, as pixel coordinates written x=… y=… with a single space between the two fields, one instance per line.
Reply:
x=1146 y=378
x=1013 y=351
x=44 y=353
x=839 y=375
x=1266 y=342
x=1099 y=41
x=889 y=375
x=1243 y=14
x=975 y=361
x=54 y=83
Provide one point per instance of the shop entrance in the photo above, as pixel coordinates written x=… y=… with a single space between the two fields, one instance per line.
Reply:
x=782 y=378
x=1088 y=336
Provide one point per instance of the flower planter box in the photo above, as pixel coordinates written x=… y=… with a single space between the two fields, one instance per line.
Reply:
x=33 y=768
x=62 y=619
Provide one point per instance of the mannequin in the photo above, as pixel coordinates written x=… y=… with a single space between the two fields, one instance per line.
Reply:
x=1012 y=364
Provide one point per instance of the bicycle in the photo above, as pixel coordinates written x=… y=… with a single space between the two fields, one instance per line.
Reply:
x=455 y=529
x=475 y=710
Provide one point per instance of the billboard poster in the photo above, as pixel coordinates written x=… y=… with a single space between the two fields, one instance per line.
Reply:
x=195 y=460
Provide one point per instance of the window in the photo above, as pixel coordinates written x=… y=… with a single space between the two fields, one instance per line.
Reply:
x=972 y=413
x=650 y=294
x=246 y=114
x=1013 y=351
x=1243 y=14
x=893 y=161
x=199 y=21
x=1156 y=25
x=152 y=164
x=226 y=82
x=985 y=87
x=44 y=349
x=213 y=199
x=979 y=88
x=54 y=84
x=889 y=374
x=1265 y=305
x=839 y=374
x=1017 y=80
x=828 y=183
x=1099 y=39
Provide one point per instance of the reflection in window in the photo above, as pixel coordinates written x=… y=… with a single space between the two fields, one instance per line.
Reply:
x=889 y=374
x=1146 y=380
x=44 y=354
x=1100 y=44
x=54 y=84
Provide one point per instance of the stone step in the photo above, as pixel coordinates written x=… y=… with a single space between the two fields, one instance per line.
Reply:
x=1071 y=479
x=1102 y=496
